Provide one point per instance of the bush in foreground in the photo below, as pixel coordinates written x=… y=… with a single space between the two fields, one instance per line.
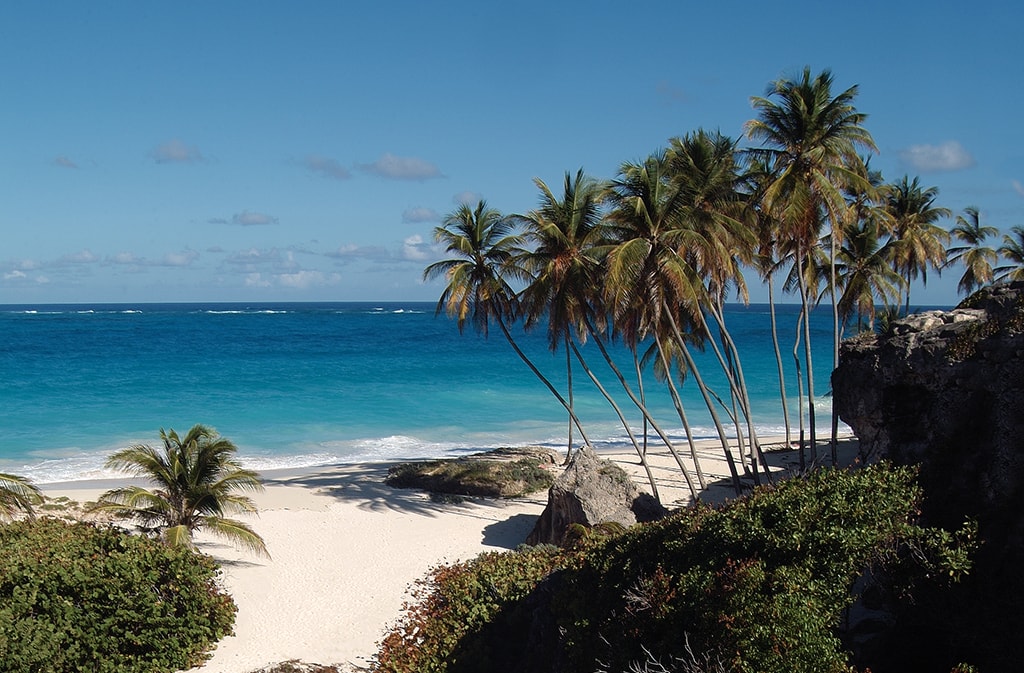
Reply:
x=760 y=585
x=78 y=597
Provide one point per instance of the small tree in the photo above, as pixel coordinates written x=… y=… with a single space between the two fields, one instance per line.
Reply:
x=17 y=494
x=197 y=482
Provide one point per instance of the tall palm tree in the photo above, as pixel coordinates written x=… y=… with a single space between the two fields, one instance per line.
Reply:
x=562 y=235
x=918 y=242
x=197 y=482
x=17 y=494
x=977 y=258
x=705 y=171
x=1013 y=250
x=812 y=139
x=650 y=287
x=485 y=246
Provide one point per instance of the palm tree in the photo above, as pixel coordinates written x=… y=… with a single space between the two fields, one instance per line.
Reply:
x=17 y=494
x=1013 y=250
x=650 y=288
x=812 y=139
x=918 y=242
x=485 y=248
x=197 y=482
x=705 y=171
x=562 y=235
x=976 y=257
x=865 y=273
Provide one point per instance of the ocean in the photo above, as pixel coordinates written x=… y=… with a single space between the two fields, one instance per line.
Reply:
x=307 y=384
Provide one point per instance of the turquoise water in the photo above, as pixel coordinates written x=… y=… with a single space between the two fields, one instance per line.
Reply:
x=297 y=385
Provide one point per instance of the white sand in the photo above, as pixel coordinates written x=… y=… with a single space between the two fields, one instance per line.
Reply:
x=345 y=548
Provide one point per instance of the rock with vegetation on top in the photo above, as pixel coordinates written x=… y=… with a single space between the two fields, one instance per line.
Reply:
x=945 y=391
x=591 y=492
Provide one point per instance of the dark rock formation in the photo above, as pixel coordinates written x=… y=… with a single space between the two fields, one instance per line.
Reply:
x=592 y=491
x=945 y=390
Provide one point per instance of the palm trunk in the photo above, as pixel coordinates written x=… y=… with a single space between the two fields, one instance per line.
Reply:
x=642 y=453
x=643 y=395
x=733 y=391
x=692 y=366
x=678 y=403
x=778 y=358
x=807 y=354
x=756 y=454
x=568 y=375
x=543 y=379
x=643 y=410
x=800 y=391
x=834 y=438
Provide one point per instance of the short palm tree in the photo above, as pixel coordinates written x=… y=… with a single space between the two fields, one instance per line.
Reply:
x=1013 y=250
x=17 y=494
x=976 y=257
x=918 y=242
x=865 y=273
x=197 y=482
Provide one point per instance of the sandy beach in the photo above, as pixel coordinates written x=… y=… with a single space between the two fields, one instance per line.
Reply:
x=346 y=548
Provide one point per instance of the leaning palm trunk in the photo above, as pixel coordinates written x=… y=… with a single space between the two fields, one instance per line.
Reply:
x=677 y=401
x=834 y=438
x=756 y=454
x=692 y=366
x=802 y=282
x=778 y=358
x=641 y=452
x=643 y=395
x=539 y=375
x=568 y=375
x=643 y=410
x=800 y=391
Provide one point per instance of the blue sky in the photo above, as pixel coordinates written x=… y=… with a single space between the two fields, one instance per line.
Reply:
x=257 y=151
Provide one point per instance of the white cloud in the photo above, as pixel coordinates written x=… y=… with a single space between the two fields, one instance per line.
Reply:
x=949 y=156
x=184 y=258
x=125 y=258
x=64 y=162
x=420 y=214
x=1018 y=187
x=402 y=168
x=329 y=168
x=248 y=218
x=176 y=152
x=15 y=275
x=256 y=280
x=414 y=249
x=82 y=257
x=350 y=251
x=304 y=279
x=467 y=197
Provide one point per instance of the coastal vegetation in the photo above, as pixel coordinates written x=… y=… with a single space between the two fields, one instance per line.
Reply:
x=17 y=496
x=648 y=259
x=497 y=474
x=197 y=481
x=84 y=597
x=764 y=583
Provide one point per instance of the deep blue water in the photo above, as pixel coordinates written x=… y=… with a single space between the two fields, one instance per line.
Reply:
x=311 y=384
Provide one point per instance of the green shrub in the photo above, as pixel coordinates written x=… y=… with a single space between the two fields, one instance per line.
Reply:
x=457 y=601
x=78 y=597
x=759 y=585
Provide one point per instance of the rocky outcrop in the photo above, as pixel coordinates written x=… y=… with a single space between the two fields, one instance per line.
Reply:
x=592 y=491
x=945 y=391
